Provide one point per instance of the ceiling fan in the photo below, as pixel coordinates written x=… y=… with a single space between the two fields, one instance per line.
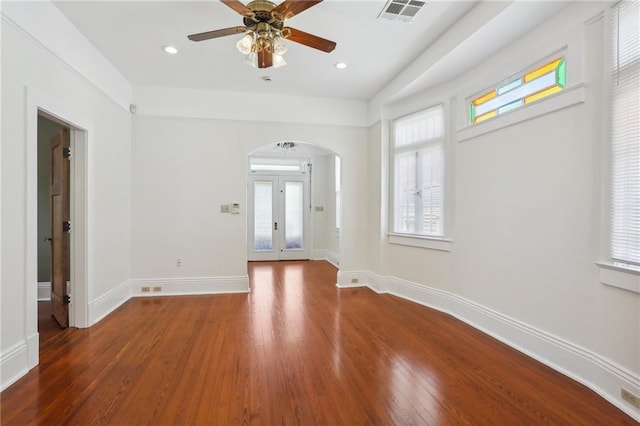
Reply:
x=265 y=31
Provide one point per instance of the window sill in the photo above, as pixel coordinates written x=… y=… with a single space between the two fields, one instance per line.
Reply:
x=619 y=275
x=421 y=241
x=568 y=97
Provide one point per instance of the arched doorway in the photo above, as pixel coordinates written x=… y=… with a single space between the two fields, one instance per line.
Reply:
x=293 y=203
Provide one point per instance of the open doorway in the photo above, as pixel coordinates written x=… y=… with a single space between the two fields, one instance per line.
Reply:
x=293 y=203
x=53 y=246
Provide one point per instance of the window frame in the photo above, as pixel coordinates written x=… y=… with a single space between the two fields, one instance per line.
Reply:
x=612 y=272
x=573 y=93
x=337 y=177
x=435 y=242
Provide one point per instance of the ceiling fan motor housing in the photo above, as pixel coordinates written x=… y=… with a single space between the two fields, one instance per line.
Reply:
x=262 y=14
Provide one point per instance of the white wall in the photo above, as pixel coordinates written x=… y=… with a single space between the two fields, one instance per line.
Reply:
x=526 y=221
x=325 y=242
x=183 y=169
x=25 y=62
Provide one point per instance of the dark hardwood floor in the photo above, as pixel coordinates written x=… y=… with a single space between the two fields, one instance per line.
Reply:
x=296 y=350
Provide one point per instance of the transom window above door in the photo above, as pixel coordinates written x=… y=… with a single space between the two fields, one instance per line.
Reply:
x=278 y=165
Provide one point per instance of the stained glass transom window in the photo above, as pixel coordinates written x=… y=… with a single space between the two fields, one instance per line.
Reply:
x=524 y=89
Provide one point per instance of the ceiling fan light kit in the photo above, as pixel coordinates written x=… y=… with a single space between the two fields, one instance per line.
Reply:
x=263 y=42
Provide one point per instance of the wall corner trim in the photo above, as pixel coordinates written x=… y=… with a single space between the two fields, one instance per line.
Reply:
x=578 y=363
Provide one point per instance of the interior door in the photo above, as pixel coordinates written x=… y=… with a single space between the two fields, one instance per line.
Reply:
x=59 y=193
x=278 y=217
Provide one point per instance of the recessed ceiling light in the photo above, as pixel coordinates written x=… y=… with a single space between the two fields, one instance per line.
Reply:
x=170 y=50
x=340 y=65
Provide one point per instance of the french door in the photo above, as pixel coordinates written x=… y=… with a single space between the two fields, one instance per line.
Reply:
x=278 y=217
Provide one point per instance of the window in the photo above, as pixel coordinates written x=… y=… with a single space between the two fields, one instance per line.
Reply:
x=418 y=173
x=338 y=185
x=625 y=134
x=271 y=165
x=520 y=90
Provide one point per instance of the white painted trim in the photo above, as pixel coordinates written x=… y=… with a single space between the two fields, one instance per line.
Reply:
x=187 y=286
x=333 y=258
x=33 y=350
x=13 y=364
x=345 y=279
x=44 y=291
x=318 y=254
x=582 y=365
x=433 y=243
x=325 y=254
x=568 y=97
x=81 y=139
x=108 y=302
x=619 y=276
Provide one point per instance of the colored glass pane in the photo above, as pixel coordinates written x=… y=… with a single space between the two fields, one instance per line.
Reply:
x=484 y=98
x=542 y=94
x=509 y=107
x=486 y=116
x=542 y=70
x=561 y=74
x=519 y=92
x=511 y=85
x=534 y=85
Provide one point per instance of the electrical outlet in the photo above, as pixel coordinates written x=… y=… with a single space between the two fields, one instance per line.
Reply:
x=179 y=262
x=319 y=208
x=354 y=281
x=225 y=208
x=157 y=288
x=146 y=289
x=630 y=398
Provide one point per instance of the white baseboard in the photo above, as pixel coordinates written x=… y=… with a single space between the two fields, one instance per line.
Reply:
x=44 y=290
x=108 y=302
x=328 y=255
x=186 y=286
x=582 y=365
x=352 y=279
x=333 y=258
x=13 y=364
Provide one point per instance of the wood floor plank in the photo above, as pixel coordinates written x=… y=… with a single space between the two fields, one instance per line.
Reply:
x=295 y=351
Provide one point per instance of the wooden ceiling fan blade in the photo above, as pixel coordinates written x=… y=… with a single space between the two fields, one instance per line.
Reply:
x=290 y=8
x=216 y=33
x=238 y=7
x=308 y=39
x=265 y=59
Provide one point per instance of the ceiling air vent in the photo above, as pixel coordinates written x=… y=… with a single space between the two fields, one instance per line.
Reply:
x=401 y=10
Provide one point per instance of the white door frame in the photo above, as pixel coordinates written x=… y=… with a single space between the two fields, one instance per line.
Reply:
x=80 y=131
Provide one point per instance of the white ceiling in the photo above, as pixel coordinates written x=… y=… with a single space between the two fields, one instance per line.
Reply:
x=131 y=33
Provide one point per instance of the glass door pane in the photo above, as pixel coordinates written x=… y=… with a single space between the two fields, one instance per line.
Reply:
x=263 y=217
x=294 y=215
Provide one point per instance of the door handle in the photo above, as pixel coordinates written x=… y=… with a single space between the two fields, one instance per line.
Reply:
x=275 y=226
